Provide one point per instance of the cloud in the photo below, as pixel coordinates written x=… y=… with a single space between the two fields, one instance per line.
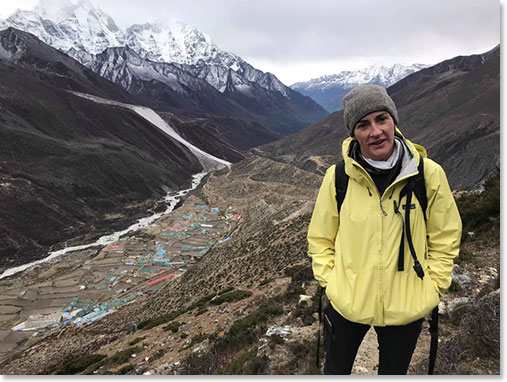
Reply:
x=328 y=33
x=284 y=30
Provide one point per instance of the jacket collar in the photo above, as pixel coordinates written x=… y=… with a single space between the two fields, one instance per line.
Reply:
x=409 y=164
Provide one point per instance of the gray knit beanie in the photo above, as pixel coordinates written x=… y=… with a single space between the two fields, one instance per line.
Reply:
x=363 y=100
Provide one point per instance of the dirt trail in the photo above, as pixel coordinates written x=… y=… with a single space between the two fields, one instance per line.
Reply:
x=366 y=362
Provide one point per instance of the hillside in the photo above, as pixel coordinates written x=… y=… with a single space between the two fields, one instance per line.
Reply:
x=219 y=315
x=452 y=108
x=73 y=168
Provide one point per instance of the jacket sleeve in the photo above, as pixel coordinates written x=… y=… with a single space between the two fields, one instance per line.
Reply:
x=323 y=228
x=443 y=229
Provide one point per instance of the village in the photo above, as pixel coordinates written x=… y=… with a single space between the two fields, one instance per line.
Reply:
x=86 y=286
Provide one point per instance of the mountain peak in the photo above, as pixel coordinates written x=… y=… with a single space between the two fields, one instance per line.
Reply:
x=54 y=10
x=12 y=44
x=170 y=40
x=82 y=30
x=328 y=90
x=377 y=73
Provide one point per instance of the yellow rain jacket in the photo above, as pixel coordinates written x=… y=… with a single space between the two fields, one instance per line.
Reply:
x=355 y=255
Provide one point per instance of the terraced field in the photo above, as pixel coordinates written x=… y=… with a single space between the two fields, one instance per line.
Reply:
x=86 y=285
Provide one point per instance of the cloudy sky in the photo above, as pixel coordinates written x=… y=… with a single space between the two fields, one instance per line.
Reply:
x=302 y=39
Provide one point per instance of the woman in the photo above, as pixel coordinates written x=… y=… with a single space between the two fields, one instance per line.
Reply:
x=358 y=253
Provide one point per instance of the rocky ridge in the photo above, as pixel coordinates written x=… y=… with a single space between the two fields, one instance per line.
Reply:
x=165 y=59
x=452 y=109
x=329 y=90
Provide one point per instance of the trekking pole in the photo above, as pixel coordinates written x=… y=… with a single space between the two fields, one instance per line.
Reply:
x=317 y=358
x=434 y=340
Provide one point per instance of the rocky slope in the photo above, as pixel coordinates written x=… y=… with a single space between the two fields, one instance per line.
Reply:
x=69 y=164
x=190 y=326
x=452 y=108
x=329 y=90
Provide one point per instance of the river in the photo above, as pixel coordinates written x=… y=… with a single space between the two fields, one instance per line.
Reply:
x=208 y=162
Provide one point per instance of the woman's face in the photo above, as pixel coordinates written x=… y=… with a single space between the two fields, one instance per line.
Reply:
x=375 y=134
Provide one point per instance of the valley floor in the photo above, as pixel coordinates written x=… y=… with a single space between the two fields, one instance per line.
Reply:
x=84 y=286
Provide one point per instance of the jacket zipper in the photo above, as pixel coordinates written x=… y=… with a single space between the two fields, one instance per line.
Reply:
x=370 y=180
x=382 y=208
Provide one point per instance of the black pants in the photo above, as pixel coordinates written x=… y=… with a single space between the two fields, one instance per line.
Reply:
x=396 y=344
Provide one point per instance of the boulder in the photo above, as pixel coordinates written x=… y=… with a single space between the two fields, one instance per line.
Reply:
x=459 y=280
x=457 y=308
x=281 y=331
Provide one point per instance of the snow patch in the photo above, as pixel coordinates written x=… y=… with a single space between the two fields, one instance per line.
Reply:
x=4 y=53
x=208 y=161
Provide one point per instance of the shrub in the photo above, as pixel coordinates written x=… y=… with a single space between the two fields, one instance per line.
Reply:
x=73 y=365
x=201 y=303
x=304 y=356
x=125 y=370
x=242 y=333
x=246 y=330
x=247 y=364
x=464 y=256
x=291 y=294
x=123 y=356
x=199 y=364
x=305 y=273
x=159 y=354
x=156 y=321
x=265 y=281
x=231 y=296
x=475 y=347
x=137 y=340
x=197 y=339
x=292 y=271
x=481 y=208
x=226 y=290
x=173 y=326
x=298 y=289
x=276 y=339
x=306 y=313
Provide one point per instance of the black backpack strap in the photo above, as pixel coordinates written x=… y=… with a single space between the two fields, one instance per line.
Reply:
x=434 y=339
x=417 y=265
x=341 y=182
x=417 y=186
x=420 y=188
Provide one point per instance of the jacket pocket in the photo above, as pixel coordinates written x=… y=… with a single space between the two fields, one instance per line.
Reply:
x=431 y=289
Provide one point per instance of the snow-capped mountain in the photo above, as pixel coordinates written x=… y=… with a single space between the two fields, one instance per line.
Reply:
x=65 y=25
x=81 y=30
x=329 y=90
x=164 y=52
x=167 y=40
x=377 y=74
